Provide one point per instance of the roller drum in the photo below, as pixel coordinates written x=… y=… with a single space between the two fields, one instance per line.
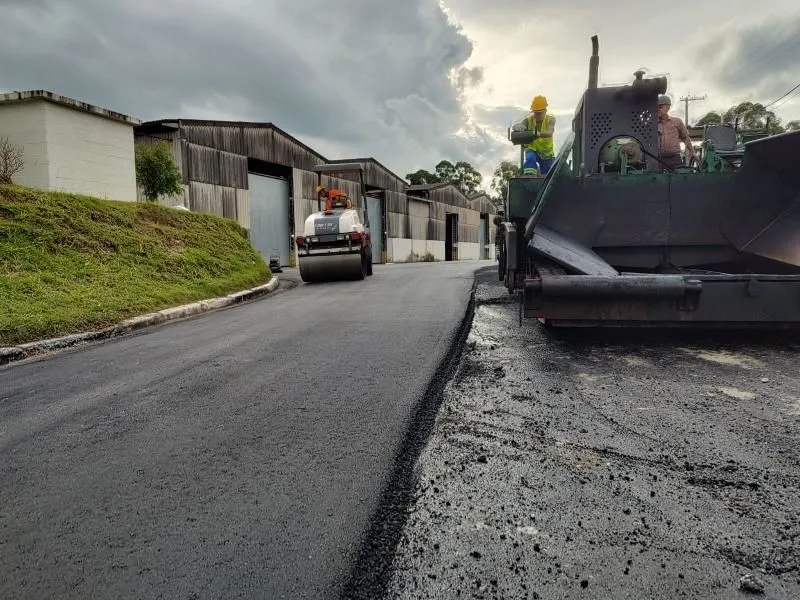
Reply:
x=332 y=267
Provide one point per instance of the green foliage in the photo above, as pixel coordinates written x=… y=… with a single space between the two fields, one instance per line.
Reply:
x=751 y=116
x=156 y=171
x=793 y=126
x=505 y=170
x=712 y=118
x=71 y=263
x=462 y=174
x=422 y=177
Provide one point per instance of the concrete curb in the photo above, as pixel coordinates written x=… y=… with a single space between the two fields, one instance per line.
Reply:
x=14 y=353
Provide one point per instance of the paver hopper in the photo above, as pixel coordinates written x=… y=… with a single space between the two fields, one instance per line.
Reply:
x=614 y=237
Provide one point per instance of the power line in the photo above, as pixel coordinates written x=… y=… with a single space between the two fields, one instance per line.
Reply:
x=686 y=100
x=786 y=101
x=782 y=97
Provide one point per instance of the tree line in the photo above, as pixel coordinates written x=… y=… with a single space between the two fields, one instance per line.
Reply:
x=751 y=116
x=466 y=178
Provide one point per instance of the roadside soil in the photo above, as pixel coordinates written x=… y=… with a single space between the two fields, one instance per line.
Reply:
x=607 y=466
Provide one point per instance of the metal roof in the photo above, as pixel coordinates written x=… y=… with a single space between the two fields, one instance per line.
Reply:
x=372 y=160
x=32 y=95
x=176 y=123
x=431 y=186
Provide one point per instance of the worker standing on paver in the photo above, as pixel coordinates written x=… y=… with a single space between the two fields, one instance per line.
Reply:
x=671 y=132
x=540 y=153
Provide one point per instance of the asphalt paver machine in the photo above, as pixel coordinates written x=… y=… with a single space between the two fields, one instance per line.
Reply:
x=611 y=236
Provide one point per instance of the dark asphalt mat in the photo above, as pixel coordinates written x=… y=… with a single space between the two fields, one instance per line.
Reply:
x=614 y=467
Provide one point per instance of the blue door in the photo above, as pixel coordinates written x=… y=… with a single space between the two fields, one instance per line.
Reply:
x=482 y=239
x=375 y=227
x=269 y=216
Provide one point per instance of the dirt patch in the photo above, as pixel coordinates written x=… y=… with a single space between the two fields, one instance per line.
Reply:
x=737 y=394
x=723 y=357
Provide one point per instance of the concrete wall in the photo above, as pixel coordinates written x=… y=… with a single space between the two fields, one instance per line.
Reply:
x=71 y=151
x=400 y=249
x=25 y=125
x=468 y=251
x=90 y=154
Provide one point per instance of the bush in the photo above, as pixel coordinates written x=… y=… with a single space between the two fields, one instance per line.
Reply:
x=414 y=257
x=11 y=160
x=156 y=171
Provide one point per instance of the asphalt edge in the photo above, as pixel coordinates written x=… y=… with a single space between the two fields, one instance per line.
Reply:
x=371 y=573
x=15 y=353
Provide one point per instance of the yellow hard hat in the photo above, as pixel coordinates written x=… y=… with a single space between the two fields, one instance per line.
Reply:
x=539 y=103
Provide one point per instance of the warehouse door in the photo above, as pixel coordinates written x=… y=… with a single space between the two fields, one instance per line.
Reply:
x=482 y=237
x=269 y=216
x=451 y=237
x=375 y=227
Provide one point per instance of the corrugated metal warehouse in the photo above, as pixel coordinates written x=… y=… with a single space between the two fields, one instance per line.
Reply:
x=262 y=177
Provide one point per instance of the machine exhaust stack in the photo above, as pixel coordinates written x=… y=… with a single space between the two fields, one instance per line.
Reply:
x=594 y=63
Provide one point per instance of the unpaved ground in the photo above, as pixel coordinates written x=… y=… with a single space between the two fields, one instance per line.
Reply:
x=580 y=468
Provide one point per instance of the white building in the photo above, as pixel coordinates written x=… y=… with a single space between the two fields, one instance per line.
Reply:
x=70 y=146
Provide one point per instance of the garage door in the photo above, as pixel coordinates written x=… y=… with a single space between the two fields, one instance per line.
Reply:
x=482 y=239
x=269 y=216
x=375 y=227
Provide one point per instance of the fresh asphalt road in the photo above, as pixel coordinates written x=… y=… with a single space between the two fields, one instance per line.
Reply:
x=237 y=454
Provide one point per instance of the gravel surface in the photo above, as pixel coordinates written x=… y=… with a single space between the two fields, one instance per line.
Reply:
x=607 y=466
x=240 y=454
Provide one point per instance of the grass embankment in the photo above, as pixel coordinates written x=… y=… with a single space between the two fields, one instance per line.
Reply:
x=71 y=263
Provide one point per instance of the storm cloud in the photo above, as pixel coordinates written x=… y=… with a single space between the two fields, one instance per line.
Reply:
x=378 y=78
x=760 y=57
x=409 y=82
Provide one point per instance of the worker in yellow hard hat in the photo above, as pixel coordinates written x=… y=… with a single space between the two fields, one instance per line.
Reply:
x=540 y=153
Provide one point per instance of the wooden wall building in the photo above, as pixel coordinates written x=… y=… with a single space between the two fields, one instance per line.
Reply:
x=262 y=177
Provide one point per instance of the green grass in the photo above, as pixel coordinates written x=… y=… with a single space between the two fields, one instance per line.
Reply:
x=72 y=263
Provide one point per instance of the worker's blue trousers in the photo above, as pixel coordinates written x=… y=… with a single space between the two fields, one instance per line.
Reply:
x=535 y=164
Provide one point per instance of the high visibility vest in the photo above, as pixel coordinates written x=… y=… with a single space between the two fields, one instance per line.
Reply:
x=543 y=146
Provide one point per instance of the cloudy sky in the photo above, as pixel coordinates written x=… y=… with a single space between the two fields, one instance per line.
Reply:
x=409 y=82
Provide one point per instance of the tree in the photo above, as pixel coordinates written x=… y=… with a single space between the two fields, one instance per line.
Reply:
x=712 y=118
x=752 y=116
x=505 y=170
x=793 y=126
x=156 y=171
x=462 y=174
x=11 y=160
x=422 y=177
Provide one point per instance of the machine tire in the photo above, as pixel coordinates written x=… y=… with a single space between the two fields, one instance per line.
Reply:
x=363 y=273
x=501 y=263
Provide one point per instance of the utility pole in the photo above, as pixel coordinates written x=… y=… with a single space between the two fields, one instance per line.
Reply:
x=686 y=100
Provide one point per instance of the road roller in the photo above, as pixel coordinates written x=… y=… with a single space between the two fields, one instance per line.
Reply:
x=335 y=244
x=613 y=236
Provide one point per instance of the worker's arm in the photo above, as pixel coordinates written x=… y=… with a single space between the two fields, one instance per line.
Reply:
x=550 y=130
x=521 y=126
x=683 y=132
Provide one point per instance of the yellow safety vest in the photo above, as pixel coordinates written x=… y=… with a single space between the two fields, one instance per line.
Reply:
x=543 y=146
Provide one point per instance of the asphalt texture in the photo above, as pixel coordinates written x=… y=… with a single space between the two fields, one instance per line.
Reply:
x=245 y=453
x=607 y=465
